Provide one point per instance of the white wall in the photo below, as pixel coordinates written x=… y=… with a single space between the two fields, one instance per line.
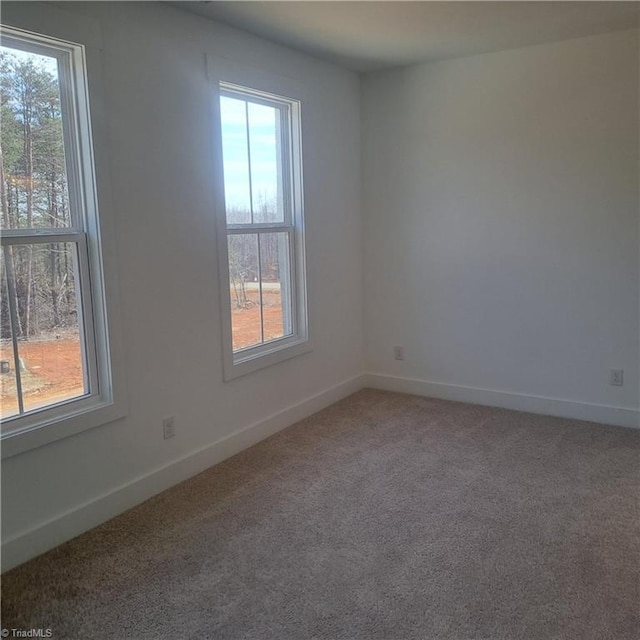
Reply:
x=159 y=132
x=500 y=212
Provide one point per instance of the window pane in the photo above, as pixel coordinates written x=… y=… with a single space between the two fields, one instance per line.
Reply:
x=32 y=142
x=265 y=173
x=244 y=288
x=8 y=384
x=50 y=348
x=233 y=116
x=276 y=285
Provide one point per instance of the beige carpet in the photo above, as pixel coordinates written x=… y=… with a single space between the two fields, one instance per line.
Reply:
x=384 y=516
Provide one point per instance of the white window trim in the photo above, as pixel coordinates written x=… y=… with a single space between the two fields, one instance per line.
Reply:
x=109 y=403
x=251 y=81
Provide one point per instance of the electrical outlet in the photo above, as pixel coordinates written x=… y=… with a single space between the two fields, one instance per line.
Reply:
x=169 y=427
x=398 y=353
x=616 y=377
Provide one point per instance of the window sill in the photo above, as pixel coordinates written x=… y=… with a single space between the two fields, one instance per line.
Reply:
x=237 y=366
x=53 y=428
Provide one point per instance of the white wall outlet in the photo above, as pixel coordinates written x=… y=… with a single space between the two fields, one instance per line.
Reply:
x=398 y=353
x=616 y=377
x=169 y=427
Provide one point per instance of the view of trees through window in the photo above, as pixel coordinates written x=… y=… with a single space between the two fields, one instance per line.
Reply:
x=258 y=264
x=40 y=311
x=258 y=236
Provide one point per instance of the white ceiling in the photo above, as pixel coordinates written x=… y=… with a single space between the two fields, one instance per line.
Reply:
x=366 y=36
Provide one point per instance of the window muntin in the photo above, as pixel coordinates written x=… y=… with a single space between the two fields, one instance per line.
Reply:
x=51 y=364
x=263 y=213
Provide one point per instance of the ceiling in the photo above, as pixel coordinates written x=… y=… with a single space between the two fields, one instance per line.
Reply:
x=367 y=36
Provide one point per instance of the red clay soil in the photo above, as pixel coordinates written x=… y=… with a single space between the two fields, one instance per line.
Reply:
x=246 y=322
x=246 y=325
x=53 y=372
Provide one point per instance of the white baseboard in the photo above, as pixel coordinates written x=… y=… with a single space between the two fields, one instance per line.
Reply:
x=32 y=542
x=619 y=416
x=49 y=534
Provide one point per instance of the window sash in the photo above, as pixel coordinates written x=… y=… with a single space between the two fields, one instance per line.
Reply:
x=284 y=145
x=39 y=236
x=292 y=284
x=69 y=59
x=238 y=229
x=86 y=326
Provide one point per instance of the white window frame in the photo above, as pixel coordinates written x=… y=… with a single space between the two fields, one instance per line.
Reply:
x=105 y=399
x=264 y=91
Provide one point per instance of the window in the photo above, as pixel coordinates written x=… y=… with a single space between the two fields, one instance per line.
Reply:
x=54 y=357
x=264 y=261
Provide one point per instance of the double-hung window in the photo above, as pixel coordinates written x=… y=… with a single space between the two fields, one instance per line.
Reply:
x=54 y=356
x=264 y=280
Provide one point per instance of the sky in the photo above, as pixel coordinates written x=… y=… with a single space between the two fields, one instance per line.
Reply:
x=262 y=149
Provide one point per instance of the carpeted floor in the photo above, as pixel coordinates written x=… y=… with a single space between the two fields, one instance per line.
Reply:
x=384 y=516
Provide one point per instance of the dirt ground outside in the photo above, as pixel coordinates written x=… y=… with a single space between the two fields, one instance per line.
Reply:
x=246 y=322
x=51 y=372
x=52 y=368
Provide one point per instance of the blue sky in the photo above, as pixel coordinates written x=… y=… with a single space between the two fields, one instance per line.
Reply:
x=262 y=144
